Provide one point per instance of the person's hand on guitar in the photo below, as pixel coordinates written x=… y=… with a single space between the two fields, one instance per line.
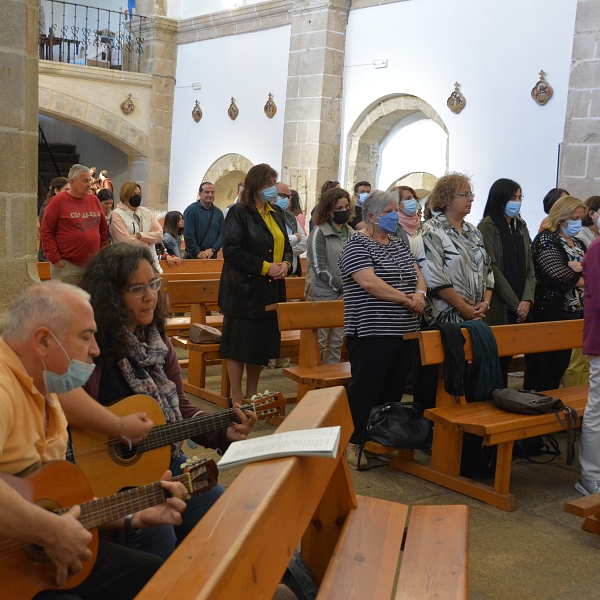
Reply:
x=67 y=544
x=240 y=431
x=168 y=513
x=135 y=428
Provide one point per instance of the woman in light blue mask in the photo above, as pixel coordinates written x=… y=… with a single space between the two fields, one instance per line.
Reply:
x=409 y=214
x=508 y=244
x=384 y=295
x=557 y=256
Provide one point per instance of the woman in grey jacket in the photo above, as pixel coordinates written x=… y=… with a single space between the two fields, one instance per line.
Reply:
x=508 y=244
x=323 y=277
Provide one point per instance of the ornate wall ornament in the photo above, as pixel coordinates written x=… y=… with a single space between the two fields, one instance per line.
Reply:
x=233 y=111
x=456 y=102
x=542 y=92
x=270 y=107
x=127 y=107
x=197 y=112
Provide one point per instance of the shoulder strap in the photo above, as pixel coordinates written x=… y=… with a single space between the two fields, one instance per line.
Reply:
x=212 y=214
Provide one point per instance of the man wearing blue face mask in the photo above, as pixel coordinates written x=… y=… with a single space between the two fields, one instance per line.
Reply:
x=361 y=190
x=295 y=232
x=47 y=346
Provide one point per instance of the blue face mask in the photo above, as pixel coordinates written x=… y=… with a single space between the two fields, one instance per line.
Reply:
x=361 y=198
x=512 y=208
x=282 y=203
x=389 y=222
x=410 y=206
x=573 y=228
x=76 y=376
x=269 y=194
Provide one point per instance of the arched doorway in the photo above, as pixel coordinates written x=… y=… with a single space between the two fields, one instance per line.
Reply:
x=382 y=119
x=422 y=183
x=225 y=173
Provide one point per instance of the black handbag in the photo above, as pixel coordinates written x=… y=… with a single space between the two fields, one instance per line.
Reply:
x=399 y=425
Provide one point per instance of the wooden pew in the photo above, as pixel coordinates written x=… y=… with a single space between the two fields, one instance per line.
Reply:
x=351 y=543
x=496 y=426
x=588 y=508
x=310 y=374
x=44 y=271
x=202 y=295
x=191 y=265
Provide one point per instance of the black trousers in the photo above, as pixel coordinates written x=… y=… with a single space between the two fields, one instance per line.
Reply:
x=380 y=368
x=543 y=371
x=118 y=574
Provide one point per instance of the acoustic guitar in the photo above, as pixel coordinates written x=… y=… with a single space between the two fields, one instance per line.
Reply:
x=110 y=465
x=26 y=570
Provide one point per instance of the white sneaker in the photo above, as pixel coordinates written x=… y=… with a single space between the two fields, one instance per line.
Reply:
x=587 y=488
x=352 y=452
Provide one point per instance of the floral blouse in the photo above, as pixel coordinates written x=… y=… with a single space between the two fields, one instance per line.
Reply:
x=448 y=259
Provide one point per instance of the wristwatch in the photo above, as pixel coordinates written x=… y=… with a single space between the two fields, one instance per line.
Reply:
x=127 y=525
x=138 y=235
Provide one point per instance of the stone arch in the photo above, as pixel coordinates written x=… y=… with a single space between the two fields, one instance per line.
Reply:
x=372 y=126
x=225 y=173
x=95 y=119
x=421 y=182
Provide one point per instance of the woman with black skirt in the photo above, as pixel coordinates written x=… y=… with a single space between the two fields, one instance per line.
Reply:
x=258 y=258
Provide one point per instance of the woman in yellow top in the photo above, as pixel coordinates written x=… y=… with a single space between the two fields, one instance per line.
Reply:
x=258 y=257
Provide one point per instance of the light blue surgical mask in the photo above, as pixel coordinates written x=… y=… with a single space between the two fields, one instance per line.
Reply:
x=282 y=203
x=573 y=227
x=409 y=206
x=389 y=222
x=361 y=198
x=512 y=208
x=76 y=376
x=268 y=194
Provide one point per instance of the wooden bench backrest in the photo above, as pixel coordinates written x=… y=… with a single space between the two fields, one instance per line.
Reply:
x=44 y=271
x=240 y=548
x=192 y=265
x=310 y=315
x=527 y=338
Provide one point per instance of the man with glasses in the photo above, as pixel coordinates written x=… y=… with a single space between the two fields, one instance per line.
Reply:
x=296 y=235
x=361 y=190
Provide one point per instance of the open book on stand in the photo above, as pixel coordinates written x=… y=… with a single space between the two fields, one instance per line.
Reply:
x=305 y=442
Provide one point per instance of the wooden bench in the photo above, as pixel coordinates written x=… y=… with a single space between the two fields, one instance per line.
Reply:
x=352 y=544
x=310 y=374
x=452 y=420
x=202 y=295
x=44 y=271
x=588 y=508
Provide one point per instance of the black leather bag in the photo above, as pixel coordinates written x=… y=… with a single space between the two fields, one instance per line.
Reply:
x=399 y=425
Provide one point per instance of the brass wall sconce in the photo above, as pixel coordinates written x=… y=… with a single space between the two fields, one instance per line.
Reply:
x=542 y=91
x=127 y=106
x=270 y=107
x=456 y=102
x=197 y=112
x=233 y=111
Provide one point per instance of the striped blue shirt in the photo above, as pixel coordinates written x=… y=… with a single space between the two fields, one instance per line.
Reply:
x=364 y=314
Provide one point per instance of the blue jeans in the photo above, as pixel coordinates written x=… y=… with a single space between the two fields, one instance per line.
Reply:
x=162 y=540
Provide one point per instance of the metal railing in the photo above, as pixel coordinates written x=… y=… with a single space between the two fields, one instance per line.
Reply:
x=86 y=35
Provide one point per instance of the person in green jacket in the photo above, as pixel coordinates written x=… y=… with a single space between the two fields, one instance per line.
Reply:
x=508 y=244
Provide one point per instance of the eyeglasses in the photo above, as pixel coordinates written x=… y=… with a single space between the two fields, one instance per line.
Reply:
x=468 y=195
x=288 y=196
x=519 y=198
x=138 y=291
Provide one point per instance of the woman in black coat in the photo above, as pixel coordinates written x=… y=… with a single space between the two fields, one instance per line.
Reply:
x=258 y=257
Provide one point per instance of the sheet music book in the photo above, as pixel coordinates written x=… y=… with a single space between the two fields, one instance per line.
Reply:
x=305 y=442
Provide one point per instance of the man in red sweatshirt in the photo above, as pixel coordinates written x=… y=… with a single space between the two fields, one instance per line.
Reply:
x=74 y=227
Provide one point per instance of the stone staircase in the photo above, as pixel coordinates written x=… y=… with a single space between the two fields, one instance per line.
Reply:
x=65 y=156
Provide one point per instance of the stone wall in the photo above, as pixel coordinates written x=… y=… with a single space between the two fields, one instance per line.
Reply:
x=18 y=147
x=580 y=151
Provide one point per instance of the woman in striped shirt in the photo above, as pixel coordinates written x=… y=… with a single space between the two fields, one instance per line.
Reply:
x=384 y=294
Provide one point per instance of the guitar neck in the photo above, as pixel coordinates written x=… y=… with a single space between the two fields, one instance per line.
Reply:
x=163 y=435
x=104 y=510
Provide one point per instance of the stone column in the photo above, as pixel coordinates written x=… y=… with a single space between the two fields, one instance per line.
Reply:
x=580 y=152
x=18 y=147
x=311 y=138
x=159 y=60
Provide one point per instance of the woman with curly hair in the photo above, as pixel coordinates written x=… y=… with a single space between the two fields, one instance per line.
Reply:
x=452 y=256
x=323 y=277
x=137 y=357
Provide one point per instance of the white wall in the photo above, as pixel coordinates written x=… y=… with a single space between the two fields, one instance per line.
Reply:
x=93 y=151
x=246 y=67
x=183 y=9
x=414 y=144
x=495 y=50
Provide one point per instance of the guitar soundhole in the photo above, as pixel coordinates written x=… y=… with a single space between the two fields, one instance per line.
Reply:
x=35 y=553
x=122 y=455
